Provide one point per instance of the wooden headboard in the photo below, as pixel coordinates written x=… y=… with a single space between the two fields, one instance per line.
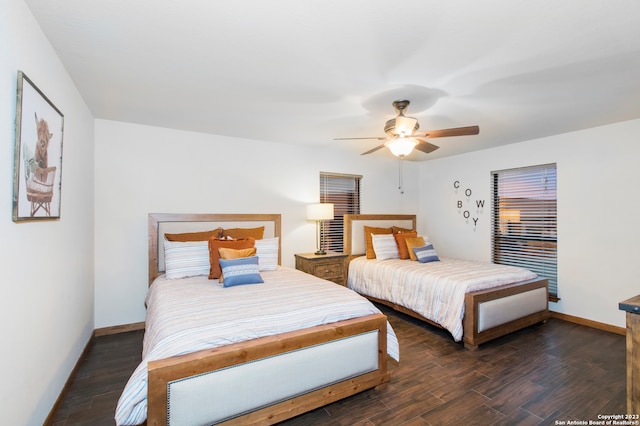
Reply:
x=354 y=242
x=161 y=223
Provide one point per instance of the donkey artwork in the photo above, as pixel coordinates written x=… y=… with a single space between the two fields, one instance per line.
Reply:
x=40 y=184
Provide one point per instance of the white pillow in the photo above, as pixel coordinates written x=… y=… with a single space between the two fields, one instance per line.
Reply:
x=186 y=259
x=267 y=252
x=385 y=246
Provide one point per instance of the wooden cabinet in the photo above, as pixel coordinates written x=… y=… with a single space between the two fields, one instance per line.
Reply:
x=330 y=266
x=632 y=308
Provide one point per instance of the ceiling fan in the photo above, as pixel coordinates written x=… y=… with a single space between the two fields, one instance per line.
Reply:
x=403 y=136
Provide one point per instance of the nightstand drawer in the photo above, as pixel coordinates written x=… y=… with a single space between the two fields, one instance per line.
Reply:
x=328 y=271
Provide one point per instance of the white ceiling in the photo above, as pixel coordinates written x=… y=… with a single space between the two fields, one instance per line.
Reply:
x=308 y=71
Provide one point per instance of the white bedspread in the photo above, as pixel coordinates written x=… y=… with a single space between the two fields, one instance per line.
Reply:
x=435 y=290
x=192 y=314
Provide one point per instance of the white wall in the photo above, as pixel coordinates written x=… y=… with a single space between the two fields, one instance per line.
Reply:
x=598 y=226
x=141 y=170
x=46 y=308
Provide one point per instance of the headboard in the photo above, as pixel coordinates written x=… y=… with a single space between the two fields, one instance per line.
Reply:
x=161 y=223
x=354 y=242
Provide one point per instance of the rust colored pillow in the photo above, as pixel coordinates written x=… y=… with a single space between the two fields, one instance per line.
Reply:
x=398 y=230
x=401 y=241
x=238 y=233
x=412 y=243
x=229 y=253
x=194 y=236
x=214 y=255
x=368 y=230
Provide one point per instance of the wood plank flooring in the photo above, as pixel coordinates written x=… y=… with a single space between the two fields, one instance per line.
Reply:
x=542 y=375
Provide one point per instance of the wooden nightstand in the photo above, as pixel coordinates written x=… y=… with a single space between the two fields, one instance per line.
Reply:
x=329 y=266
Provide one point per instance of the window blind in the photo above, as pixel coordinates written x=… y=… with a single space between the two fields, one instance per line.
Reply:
x=524 y=225
x=343 y=191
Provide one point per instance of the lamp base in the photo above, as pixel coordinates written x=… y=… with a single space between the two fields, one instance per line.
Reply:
x=320 y=252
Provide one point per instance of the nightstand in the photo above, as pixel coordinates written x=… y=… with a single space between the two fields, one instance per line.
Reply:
x=330 y=266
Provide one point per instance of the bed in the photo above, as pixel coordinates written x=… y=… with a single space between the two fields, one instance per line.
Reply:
x=475 y=301
x=236 y=342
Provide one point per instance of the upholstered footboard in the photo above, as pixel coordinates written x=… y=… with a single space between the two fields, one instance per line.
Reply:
x=499 y=311
x=270 y=379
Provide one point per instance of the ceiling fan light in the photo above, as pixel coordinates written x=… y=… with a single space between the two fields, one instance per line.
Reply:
x=401 y=146
x=405 y=126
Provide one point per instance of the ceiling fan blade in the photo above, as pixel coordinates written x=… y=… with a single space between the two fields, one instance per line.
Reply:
x=456 y=131
x=425 y=146
x=378 y=138
x=373 y=149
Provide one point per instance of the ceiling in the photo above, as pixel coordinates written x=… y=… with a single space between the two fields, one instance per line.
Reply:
x=306 y=72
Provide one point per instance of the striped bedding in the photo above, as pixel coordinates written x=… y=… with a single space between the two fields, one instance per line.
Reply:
x=191 y=314
x=434 y=290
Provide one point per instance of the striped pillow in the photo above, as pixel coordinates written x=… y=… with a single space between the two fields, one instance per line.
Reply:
x=385 y=246
x=267 y=251
x=186 y=259
x=426 y=254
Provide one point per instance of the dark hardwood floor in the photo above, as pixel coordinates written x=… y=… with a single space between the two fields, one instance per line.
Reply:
x=543 y=375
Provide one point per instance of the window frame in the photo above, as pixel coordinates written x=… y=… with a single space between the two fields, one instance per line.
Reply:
x=344 y=191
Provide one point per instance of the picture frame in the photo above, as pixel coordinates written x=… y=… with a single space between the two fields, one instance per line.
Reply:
x=37 y=175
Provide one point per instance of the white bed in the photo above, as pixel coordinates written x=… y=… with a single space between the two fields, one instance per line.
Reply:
x=240 y=346
x=474 y=301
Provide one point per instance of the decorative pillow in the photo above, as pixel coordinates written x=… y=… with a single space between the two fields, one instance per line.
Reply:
x=385 y=246
x=267 y=250
x=239 y=233
x=214 y=255
x=398 y=230
x=401 y=241
x=413 y=243
x=194 y=236
x=186 y=259
x=229 y=253
x=368 y=231
x=240 y=271
x=426 y=254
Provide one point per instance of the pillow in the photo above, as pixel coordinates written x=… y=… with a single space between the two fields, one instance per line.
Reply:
x=194 y=236
x=239 y=233
x=186 y=259
x=229 y=253
x=267 y=250
x=401 y=241
x=413 y=243
x=368 y=231
x=385 y=246
x=240 y=271
x=214 y=254
x=398 y=230
x=426 y=254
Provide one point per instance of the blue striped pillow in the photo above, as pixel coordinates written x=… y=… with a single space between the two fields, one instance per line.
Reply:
x=240 y=271
x=385 y=246
x=426 y=254
x=186 y=259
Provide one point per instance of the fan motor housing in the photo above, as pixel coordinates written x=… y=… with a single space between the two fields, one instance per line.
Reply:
x=390 y=127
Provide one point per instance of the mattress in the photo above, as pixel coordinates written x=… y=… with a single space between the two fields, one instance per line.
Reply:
x=435 y=290
x=191 y=314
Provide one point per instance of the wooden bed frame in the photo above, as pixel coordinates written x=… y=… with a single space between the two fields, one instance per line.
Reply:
x=475 y=302
x=163 y=372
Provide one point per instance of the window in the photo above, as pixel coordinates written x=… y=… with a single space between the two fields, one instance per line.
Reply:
x=524 y=226
x=344 y=192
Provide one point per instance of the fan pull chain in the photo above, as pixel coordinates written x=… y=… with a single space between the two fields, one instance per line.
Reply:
x=400 y=176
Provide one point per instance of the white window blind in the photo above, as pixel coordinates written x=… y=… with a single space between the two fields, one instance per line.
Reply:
x=525 y=221
x=344 y=192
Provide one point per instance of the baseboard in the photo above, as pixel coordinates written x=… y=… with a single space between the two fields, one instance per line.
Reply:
x=49 y=420
x=105 y=331
x=589 y=323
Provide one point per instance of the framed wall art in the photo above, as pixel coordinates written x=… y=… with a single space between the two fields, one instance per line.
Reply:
x=37 y=175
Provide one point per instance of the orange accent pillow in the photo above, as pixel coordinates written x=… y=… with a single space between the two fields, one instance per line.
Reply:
x=398 y=230
x=401 y=241
x=214 y=255
x=368 y=230
x=412 y=243
x=229 y=253
x=194 y=236
x=239 y=233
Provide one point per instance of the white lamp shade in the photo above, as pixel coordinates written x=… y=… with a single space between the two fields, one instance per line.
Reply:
x=320 y=211
x=401 y=146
